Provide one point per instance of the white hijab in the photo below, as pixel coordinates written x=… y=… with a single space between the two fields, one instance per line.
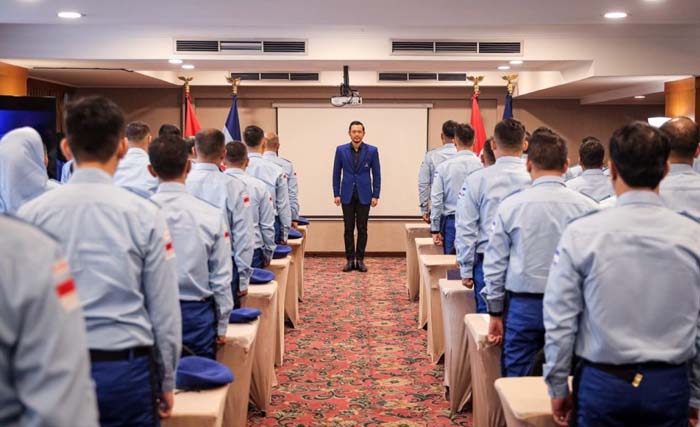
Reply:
x=22 y=172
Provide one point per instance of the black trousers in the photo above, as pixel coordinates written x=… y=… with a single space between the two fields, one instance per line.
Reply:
x=355 y=214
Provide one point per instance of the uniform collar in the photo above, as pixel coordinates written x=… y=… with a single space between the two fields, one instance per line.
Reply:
x=465 y=153
x=588 y=172
x=172 y=187
x=512 y=160
x=645 y=197
x=679 y=168
x=234 y=171
x=549 y=180
x=136 y=151
x=90 y=176
x=205 y=167
x=269 y=154
x=254 y=155
x=450 y=145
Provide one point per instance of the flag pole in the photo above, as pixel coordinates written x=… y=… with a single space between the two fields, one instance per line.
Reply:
x=187 y=81
x=510 y=78
x=234 y=82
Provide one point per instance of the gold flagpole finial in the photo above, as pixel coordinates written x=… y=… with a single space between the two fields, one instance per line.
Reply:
x=187 y=81
x=510 y=78
x=477 y=81
x=234 y=83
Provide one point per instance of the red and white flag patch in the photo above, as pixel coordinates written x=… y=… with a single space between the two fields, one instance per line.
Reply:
x=246 y=200
x=169 y=248
x=65 y=287
x=227 y=235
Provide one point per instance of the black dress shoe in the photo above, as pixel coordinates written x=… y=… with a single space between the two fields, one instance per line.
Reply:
x=349 y=266
x=361 y=266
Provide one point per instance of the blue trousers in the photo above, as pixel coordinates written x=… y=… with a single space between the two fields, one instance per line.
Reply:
x=523 y=336
x=479 y=283
x=235 y=285
x=604 y=400
x=278 y=230
x=448 y=231
x=126 y=392
x=199 y=327
x=258 y=258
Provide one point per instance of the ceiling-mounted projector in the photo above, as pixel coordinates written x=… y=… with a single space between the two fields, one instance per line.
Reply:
x=348 y=96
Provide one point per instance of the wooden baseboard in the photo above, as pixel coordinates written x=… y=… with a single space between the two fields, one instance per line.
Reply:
x=367 y=255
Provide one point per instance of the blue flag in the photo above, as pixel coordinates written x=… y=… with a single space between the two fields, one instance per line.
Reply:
x=508 y=110
x=232 y=128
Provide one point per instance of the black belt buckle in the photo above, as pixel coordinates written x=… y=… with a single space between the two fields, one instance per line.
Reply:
x=627 y=373
x=118 y=355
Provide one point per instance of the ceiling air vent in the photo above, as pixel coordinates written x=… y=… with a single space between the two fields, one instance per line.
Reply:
x=274 y=76
x=284 y=46
x=452 y=77
x=453 y=47
x=412 y=46
x=422 y=76
x=277 y=76
x=246 y=76
x=197 y=45
x=500 y=47
x=241 y=46
x=460 y=47
x=307 y=77
x=393 y=77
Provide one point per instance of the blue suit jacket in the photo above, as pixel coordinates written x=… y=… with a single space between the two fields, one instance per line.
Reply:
x=346 y=178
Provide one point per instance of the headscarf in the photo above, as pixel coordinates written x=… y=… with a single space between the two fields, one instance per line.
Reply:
x=22 y=172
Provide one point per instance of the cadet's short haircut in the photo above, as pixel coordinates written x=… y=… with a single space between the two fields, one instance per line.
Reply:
x=190 y=144
x=591 y=154
x=273 y=141
x=509 y=134
x=684 y=136
x=449 y=128
x=487 y=151
x=168 y=129
x=137 y=131
x=547 y=150
x=356 y=123
x=589 y=138
x=253 y=136
x=94 y=128
x=236 y=152
x=168 y=155
x=465 y=134
x=639 y=152
x=542 y=129
x=209 y=142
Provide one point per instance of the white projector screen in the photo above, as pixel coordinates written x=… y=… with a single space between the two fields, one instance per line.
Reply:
x=309 y=136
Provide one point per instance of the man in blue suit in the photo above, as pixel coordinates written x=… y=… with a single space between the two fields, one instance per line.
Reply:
x=356 y=184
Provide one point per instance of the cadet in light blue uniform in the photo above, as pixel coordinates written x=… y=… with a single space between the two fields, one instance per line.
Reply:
x=273 y=176
x=119 y=250
x=480 y=196
x=261 y=204
x=526 y=231
x=22 y=169
x=272 y=147
x=680 y=190
x=449 y=178
x=67 y=171
x=132 y=172
x=592 y=182
x=44 y=365
x=202 y=245
x=623 y=295
x=229 y=194
x=431 y=161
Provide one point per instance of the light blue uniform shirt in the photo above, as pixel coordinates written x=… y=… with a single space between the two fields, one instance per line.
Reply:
x=67 y=171
x=132 y=173
x=573 y=172
x=292 y=180
x=448 y=180
x=202 y=245
x=262 y=210
x=276 y=180
x=680 y=190
x=229 y=194
x=426 y=173
x=479 y=198
x=44 y=362
x=624 y=288
x=592 y=183
x=526 y=231
x=120 y=253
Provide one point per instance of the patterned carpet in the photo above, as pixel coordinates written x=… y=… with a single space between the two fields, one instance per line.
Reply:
x=358 y=359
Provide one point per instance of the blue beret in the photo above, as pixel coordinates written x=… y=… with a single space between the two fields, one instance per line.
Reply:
x=282 y=251
x=201 y=373
x=244 y=315
x=293 y=234
x=261 y=277
x=302 y=221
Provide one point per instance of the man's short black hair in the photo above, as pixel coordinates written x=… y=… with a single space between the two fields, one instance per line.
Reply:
x=356 y=123
x=94 y=128
x=591 y=154
x=209 y=143
x=168 y=129
x=542 y=129
x=548 y=150
x=449 y=128
x=487 y=151
x=639 y=152
x=253 y=136
x=684 y=136
x=465 y=134
x=168 y=155
x=236 y=152
x=589 y=138
x=137 y=131
x=509 y=134
x=190 y=141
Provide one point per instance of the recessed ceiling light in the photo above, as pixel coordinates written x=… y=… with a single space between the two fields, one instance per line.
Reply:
x=640 y=97
x=70 y=15
x=175 y=61
x=504 y=67
x=516 y=62
x=187 y=67
x=615 y=15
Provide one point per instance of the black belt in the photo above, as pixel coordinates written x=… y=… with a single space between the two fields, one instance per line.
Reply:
x=115 y=356
x=525 y=295
x=631 y=372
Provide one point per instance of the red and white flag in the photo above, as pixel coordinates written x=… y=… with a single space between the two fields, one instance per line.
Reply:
x=65 y=286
